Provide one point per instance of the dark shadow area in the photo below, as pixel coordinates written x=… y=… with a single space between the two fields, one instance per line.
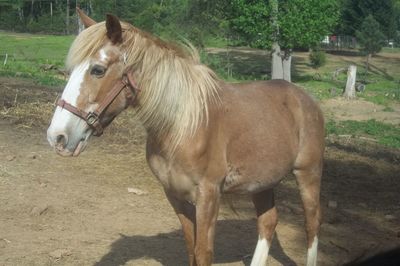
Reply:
x=354 y=53
x=373 y=151
x=249 y=64
x=169 y=248
x=354 y=181
x=386 y=258
x=372 y=70
x=299 y=63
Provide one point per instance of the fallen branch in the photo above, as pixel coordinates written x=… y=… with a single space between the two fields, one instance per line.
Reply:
x=337 y=72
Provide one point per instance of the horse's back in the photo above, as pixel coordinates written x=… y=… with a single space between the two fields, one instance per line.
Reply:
x=275 y=105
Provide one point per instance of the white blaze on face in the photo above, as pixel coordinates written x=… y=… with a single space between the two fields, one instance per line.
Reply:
x=261 y=253
x=64 y=122
x=103 y=55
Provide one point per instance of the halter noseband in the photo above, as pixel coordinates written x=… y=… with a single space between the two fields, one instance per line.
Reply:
x=93 y=118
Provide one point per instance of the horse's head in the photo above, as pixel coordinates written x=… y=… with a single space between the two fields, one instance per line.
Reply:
x=97 y=91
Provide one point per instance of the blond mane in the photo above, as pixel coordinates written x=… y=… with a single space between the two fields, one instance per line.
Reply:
x=176 y=89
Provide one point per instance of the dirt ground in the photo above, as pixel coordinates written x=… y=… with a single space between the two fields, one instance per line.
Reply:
x=105 y=207
x=342 y=109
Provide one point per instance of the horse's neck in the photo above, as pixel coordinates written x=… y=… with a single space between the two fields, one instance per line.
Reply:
x=189 y=145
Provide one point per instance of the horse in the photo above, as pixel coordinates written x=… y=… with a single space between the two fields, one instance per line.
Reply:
x=205 y=137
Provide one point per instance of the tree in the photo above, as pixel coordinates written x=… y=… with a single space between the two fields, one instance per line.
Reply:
x=296 y=24
x=370 y=37
x=384 y=12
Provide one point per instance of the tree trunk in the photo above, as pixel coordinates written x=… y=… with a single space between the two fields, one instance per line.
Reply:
x=287 y=62
x=277 y=66
x=90 y=8
x=367 y=64
x=350 y=90
x=51 y=14
x=81 y=27
x=21 y=14
x=67 y=18
x=32 y=3
x=281 y=63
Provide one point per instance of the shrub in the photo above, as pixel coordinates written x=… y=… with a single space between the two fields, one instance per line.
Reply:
x=317 y=58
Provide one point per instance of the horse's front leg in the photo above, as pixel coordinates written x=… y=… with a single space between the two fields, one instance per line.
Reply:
x=207 y=205
x=187 y=216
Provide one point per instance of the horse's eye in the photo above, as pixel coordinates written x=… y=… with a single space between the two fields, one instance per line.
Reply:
x=98 y=71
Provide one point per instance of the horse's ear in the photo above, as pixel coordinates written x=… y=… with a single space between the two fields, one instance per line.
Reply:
x=114 y=30
x=86 y=21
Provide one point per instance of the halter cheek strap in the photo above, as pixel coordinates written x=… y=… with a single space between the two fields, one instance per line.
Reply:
x=93 y=119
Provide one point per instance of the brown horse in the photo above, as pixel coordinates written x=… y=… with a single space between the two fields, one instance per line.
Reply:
x=205 y=137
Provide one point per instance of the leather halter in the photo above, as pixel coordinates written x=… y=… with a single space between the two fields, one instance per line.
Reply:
x=93 y=119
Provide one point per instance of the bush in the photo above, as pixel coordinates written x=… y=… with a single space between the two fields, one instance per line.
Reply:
x=317 y=58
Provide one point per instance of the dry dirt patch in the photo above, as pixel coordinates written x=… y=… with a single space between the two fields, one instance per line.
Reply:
x=359 y=110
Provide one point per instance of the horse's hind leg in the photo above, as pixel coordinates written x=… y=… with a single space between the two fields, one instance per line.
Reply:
x=267 y=218
x=309 y=181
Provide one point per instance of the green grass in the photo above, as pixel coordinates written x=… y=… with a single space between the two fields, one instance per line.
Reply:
x=391 y=50
x=320 y=89
x=27 y=53
x=385 y=134
x=381 y=90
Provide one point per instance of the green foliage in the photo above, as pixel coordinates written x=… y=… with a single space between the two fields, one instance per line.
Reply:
x=355 y=11
x=301 y=23
x=252 y=19
x=317 y=58
x=385 y=134
x=304 y=23
x=190 y=19
x=370 y=36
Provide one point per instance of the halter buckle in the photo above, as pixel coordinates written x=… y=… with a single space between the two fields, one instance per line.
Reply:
x=92 y=118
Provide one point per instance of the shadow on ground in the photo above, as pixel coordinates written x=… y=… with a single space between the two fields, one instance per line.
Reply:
x=169 y=248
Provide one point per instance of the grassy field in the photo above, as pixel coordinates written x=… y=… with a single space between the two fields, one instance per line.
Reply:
x=385 y=134
x=31 y=56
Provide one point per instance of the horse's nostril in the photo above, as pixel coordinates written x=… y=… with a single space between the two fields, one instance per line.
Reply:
x=61 y=141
